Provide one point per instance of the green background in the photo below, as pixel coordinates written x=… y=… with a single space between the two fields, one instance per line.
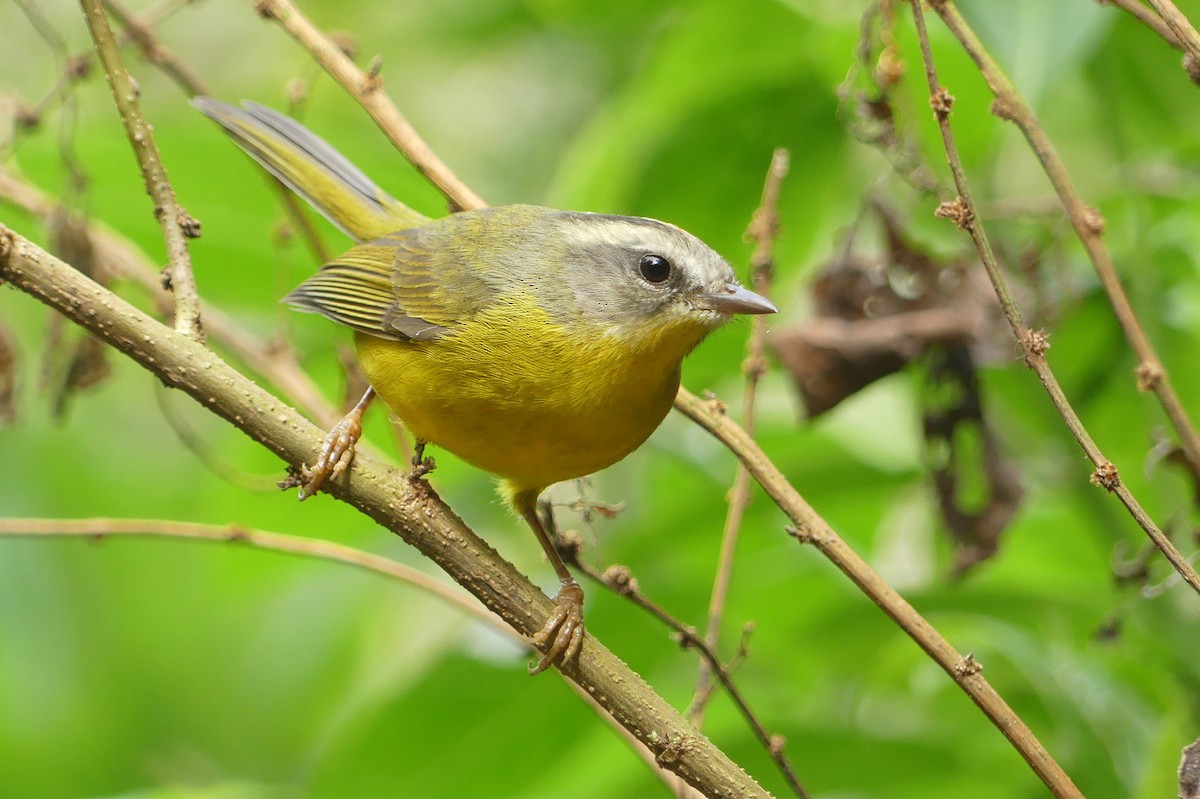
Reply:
x=173 y=669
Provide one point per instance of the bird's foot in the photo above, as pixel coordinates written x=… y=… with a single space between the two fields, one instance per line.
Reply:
x=563 y=631
x=337 y=453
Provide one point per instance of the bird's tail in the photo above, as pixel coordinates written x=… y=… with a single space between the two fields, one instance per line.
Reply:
x=309 y=166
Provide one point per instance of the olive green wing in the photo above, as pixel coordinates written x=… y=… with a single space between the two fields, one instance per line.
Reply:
x=395 y=288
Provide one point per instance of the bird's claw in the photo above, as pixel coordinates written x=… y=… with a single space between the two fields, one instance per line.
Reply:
x=563 y=631
x=337 y=453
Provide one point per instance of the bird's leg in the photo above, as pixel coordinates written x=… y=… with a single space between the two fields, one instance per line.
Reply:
x=562 y=635
x=337 y=451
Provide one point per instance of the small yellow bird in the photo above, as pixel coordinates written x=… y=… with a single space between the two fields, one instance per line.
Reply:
x=536 y=344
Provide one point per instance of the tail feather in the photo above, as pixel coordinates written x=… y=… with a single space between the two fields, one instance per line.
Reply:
x=309 y=166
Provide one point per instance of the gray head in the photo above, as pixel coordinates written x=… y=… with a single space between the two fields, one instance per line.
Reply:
x=642 y=273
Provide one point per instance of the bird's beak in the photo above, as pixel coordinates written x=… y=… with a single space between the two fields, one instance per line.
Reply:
x=737 y=299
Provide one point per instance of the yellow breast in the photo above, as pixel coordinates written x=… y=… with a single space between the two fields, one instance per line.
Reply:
x=518 y=396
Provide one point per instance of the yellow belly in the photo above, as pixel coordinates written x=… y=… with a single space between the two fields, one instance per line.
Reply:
x=516 y=396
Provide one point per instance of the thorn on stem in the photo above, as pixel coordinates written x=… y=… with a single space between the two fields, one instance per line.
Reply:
x=189 y=224
x=957 y=211
x=372 y=78
x=715 y=404
x=1106 y=476
x=686 y=637
x=968 y=666
x=294 y=479
x=1149 y=374
x=1002 y=109
x=1093 y=220
x=804 y=536
x=777 y=742
x=941 y=102
x=569 y=544
x=1035 y=343
x=1191 y=65
x=620 y=579
x=671 y=751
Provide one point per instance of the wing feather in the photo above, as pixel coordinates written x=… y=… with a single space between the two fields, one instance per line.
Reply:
x=392 y=288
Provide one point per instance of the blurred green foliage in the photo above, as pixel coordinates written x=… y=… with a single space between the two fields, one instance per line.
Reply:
x=173 y=669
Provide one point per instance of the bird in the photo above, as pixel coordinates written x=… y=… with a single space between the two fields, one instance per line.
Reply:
x=539 y=345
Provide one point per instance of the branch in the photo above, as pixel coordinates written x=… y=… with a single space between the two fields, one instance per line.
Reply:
x=366 y=88
x=764 y=226
x=1088 y=224
x=810 y=528
x=621 y=581
x=79 y=65
x=1013 y=728
x=1035 y=343
x=141 y=32
x=407 y=507
x=142 y=35
x=1180 y=26
x=495 y=582
x=177 y=226
x=97 y=528
x=124 y=260
x=1148 y=18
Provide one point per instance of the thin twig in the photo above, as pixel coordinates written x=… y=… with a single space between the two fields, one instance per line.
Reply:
x=620 y=581
x=1180 y=26
x=407 y=507
x=866 y=97
x=275 y=362
x=974 y=685
x=71 y=69
x=743 y=651
x=154 y=51
x=176 y=224
x=1035 y=343
x=764 y=226
x=78 y=65
x=1089 y=226
x=141 y=32
x=1147 y=17
x=810 y=528
x=99 y=528
x=367 y=89
x=206 y=450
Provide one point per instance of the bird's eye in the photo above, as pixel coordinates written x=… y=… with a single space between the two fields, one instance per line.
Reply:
x=654 y=268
